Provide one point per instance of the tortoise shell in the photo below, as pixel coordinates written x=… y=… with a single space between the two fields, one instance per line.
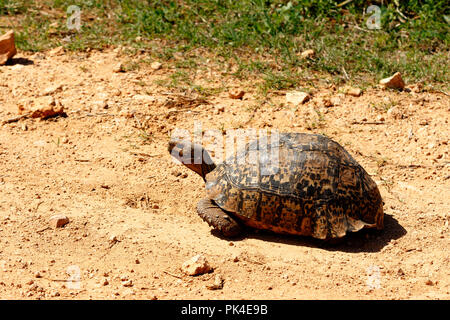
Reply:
x=303 y=184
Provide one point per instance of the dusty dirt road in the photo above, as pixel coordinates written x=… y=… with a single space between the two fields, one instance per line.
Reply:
x=132 y=209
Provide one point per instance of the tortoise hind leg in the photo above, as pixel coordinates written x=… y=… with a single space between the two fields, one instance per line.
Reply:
x=218 y=218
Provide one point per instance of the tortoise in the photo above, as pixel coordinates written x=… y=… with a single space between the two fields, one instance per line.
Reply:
x=316 y=189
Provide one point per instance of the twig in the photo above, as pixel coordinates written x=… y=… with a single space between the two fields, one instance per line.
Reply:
x=37 y=206
x=359 y=28
x=345 y=74
x=173 y=275
x=443 y=92
x=144 y=154
x=368 y=122
x=42 y=230
x=103 y=114
x=415 y=166
x=401 y=14
x=82 y=160
x=15 y=119
x=56 y=280
x=344 y=3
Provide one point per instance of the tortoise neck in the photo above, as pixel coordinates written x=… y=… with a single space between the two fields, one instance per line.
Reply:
x=203 y=165
x=207 y=168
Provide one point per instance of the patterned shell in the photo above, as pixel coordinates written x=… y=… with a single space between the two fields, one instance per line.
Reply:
x=303 y=184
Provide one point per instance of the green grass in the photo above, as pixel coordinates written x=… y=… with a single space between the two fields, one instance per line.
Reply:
x=264 y=38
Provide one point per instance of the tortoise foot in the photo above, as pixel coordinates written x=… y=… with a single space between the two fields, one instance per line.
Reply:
x=218 y=218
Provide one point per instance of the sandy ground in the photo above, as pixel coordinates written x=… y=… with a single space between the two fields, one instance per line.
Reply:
x=132 y=211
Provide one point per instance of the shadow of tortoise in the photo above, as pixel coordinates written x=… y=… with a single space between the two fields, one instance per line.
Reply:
x=365 y=240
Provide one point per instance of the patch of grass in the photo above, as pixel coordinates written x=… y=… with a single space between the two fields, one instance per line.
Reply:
x=179 y=77
x=131 y=66
x=11 y=7
x=206 y=91
x=264 y=38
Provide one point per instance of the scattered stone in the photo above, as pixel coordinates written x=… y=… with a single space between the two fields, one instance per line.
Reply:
x=156 y=65
x=113 y=239
x=37 y=275
x=43 y=108
x=127 y=283
x=122 y=277
x=56 y=51
x=197 y=265
x=118 y=67
x=145 y=98
x=44 y=112
x=219 y=109
x=235 y=258
x=101 y=104
x=429 y=282
x=416 y=88
x=59 y=220
x=176 y=173
x=297 y=97
x=400 y=272
x=54 y=293
x=335 y=101
x=308 y=54
x=351 y=91
x=236 y=94
x=217 y=284
x=394 y=82
x=52 y=89
x=395 y=113
x=7 y=47
x=324 y=102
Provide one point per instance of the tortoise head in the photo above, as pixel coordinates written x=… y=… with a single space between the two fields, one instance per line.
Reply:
x=192 y=155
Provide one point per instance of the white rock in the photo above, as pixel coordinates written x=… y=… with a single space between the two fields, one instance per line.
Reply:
x=56 y=51
x=197 y=265
x=217 y=284
x=156 y=65
x=394 y=82
x=7 y=47
x=59 y=220
x=297 y=97
x=351 y=91
x=52 y=89
x=308 y=53
x=118 y=67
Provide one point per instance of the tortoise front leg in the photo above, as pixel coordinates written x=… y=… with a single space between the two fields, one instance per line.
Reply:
x=218 y=218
